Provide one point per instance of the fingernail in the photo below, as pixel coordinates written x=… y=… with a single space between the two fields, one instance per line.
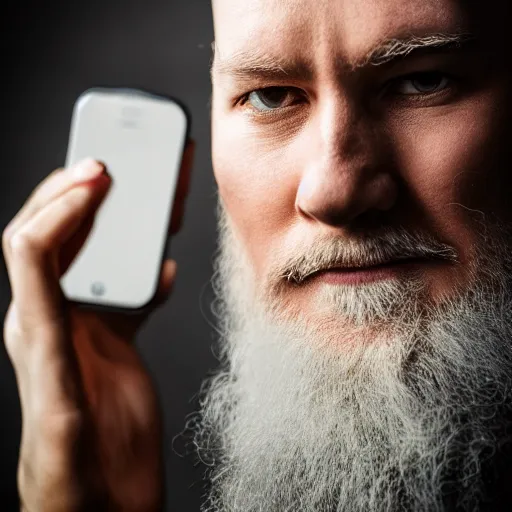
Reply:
x=87 y=169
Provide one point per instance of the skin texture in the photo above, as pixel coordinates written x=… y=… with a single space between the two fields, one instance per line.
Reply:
x=353 y=148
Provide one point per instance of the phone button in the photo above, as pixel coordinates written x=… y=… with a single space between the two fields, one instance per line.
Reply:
x=98 y=288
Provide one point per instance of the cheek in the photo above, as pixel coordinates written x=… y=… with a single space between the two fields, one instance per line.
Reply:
x=256 y=183
x=451 y=160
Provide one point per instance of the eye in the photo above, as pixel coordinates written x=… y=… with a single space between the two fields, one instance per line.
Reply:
x=270 y=98
x=422 y=83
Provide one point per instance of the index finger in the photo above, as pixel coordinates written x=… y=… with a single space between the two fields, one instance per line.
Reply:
x=56 y=183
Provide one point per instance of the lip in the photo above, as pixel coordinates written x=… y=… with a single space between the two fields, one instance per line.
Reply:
x=363 y=275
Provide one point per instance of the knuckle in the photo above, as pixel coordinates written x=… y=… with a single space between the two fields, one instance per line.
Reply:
x=12 y=331
x=6 y=238
x=24 y=242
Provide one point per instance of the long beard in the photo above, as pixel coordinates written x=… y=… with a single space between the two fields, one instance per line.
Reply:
x=412 y=418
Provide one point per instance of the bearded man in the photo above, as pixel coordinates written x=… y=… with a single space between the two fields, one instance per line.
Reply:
x=361 y=153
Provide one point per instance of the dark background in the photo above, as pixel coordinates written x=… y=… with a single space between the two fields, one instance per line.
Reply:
x=52 y=51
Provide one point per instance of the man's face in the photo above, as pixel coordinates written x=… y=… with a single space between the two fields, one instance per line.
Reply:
x=365 y=273
x=338 y=121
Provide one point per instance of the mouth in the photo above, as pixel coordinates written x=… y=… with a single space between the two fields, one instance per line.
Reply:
x=390 y=269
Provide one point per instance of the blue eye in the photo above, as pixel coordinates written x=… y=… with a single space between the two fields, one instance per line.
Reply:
x=422 y=83
x=269 y=98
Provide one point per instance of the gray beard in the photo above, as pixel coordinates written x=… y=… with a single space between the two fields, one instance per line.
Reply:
x=412 y=416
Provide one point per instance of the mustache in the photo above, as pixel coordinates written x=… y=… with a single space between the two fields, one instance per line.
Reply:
x=389 y=246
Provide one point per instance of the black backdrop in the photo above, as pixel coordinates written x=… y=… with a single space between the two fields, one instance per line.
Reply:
x=52 y=51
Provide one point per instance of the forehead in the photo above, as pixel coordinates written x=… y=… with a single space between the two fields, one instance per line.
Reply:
x=306 y=28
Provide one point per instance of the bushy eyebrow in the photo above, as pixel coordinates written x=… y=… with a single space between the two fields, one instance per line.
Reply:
x=250 y=64
x=398 y=48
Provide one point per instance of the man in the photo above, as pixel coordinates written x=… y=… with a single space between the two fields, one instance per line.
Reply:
x=364 y=277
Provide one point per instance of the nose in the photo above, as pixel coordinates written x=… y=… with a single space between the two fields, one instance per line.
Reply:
x=345 y=171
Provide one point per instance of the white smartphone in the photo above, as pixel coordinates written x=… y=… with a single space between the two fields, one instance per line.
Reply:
x=140 y=137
